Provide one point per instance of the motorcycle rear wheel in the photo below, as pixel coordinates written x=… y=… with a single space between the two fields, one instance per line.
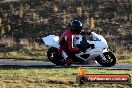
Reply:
x=55 y=57
x=110 y=59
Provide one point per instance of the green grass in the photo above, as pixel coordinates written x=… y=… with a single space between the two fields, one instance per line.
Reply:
x=52 y=77
x=124 y=58
x=26 y=55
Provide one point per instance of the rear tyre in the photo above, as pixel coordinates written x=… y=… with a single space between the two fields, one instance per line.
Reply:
x=110 y=59
x=55 y=57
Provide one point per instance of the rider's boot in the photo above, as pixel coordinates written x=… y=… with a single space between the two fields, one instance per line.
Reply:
x=68 y=61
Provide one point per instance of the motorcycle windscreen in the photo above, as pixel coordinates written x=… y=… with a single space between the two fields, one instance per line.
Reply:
x=51 y=40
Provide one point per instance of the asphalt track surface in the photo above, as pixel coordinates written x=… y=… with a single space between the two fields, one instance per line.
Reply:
x=25 y=63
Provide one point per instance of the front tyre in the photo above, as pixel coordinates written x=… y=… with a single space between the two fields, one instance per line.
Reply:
x=110 y=59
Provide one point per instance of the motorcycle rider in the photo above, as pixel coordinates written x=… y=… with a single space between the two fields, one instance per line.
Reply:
x=66 y=40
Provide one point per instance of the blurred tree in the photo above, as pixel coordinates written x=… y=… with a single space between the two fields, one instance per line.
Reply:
x=2 y=31
x=21 y=10
x=8 y=28
x=0 y=22
x=79 y=11
x=11 y=6
x=55 y=8
x=91 y=23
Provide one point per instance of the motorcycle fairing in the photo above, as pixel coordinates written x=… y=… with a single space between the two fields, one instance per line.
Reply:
x=51 y=40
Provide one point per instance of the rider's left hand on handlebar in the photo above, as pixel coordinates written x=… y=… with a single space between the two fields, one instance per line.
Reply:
x=92 y=46
x=81 y=47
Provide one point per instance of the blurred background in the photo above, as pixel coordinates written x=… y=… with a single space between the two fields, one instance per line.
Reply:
x=24 y=22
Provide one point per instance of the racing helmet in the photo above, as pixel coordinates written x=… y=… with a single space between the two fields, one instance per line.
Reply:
x=76 y=26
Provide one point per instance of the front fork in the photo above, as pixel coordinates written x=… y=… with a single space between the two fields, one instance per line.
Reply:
x=102 y=55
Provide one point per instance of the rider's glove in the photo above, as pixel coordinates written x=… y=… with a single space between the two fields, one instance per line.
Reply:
x=81 y=47
x=92 y=46
x=88 y=31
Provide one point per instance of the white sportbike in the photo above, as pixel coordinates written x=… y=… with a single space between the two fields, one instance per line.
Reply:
x=94 y=50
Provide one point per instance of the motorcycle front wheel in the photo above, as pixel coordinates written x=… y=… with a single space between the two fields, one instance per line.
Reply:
x=109 y=61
